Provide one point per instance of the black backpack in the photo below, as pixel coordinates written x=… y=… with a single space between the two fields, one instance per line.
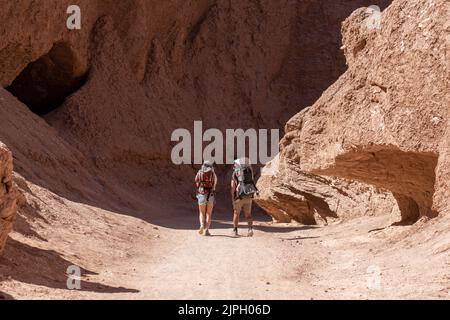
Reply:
x=246 y=184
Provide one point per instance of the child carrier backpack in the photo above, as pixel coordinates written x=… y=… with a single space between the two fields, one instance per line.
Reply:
x=246 y=184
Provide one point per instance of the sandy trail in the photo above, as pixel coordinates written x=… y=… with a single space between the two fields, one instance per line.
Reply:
x=219 y=267
x=353 y=259
x=285 y=261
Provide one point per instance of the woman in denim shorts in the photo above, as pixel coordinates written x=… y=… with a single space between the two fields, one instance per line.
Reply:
x=206 y=181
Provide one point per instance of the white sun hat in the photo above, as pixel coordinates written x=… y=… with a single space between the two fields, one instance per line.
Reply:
x=242 y=162
x=207 y=166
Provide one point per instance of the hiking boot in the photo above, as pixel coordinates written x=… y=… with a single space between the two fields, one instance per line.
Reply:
x=207 y=233
x=202 y=229
x=250 y=233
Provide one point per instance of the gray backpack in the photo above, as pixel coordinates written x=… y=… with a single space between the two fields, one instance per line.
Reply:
x=246 y=184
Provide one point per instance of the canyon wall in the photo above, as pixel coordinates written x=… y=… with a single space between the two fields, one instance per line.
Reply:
x=8 y=195
x=116 y=89
x=384 y=121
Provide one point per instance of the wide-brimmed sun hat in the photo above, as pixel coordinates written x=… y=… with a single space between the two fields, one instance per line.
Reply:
x=242 y=162
x=207 y=166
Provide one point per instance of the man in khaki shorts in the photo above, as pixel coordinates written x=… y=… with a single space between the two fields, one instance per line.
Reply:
x=242 y=192
x=240 y=205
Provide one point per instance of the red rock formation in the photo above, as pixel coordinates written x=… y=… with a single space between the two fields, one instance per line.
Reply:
x=288 y=193
x=8 y=195
x=383 y=122
x=139 y=69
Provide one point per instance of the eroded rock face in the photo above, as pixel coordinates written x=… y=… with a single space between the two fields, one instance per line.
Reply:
x=8 y=195
x=288 y=193
x=440 y=197
x=384 y=121
x=103 y=101
x=137 y=70
x=31 y=29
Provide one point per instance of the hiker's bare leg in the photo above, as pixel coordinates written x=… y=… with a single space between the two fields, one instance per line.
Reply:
x=247 y=208
x=236 y=215
x=209 y=213
x=249 y=218
x=202 y=214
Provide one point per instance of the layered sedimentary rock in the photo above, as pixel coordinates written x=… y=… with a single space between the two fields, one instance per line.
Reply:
x=8 y=195
x=384 y=121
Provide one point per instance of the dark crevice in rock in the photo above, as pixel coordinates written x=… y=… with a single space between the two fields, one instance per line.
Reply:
x=45 y=83
x=195 y=30
x=409 y=209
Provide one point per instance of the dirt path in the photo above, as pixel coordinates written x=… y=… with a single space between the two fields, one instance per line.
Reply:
x=221 y=266
x=285 y=262
x=354 y=259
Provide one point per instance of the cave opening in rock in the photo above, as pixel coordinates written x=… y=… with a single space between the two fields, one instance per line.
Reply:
x=45 y=83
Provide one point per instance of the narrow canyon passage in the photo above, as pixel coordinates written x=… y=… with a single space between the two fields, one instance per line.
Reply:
x=358 y=190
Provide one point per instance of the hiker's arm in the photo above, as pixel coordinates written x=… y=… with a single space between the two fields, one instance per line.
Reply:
x=197 y=180
x=232 y=189
x=254 y=184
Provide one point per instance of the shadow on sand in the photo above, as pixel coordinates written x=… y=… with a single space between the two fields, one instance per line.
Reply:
x=49 y=269
x=5 y=296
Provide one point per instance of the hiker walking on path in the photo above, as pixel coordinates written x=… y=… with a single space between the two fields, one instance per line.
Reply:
x=206 y=181
x=243 y=190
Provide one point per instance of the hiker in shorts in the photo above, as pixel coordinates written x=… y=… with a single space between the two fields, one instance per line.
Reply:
x=206 y=181
x=243 y=190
